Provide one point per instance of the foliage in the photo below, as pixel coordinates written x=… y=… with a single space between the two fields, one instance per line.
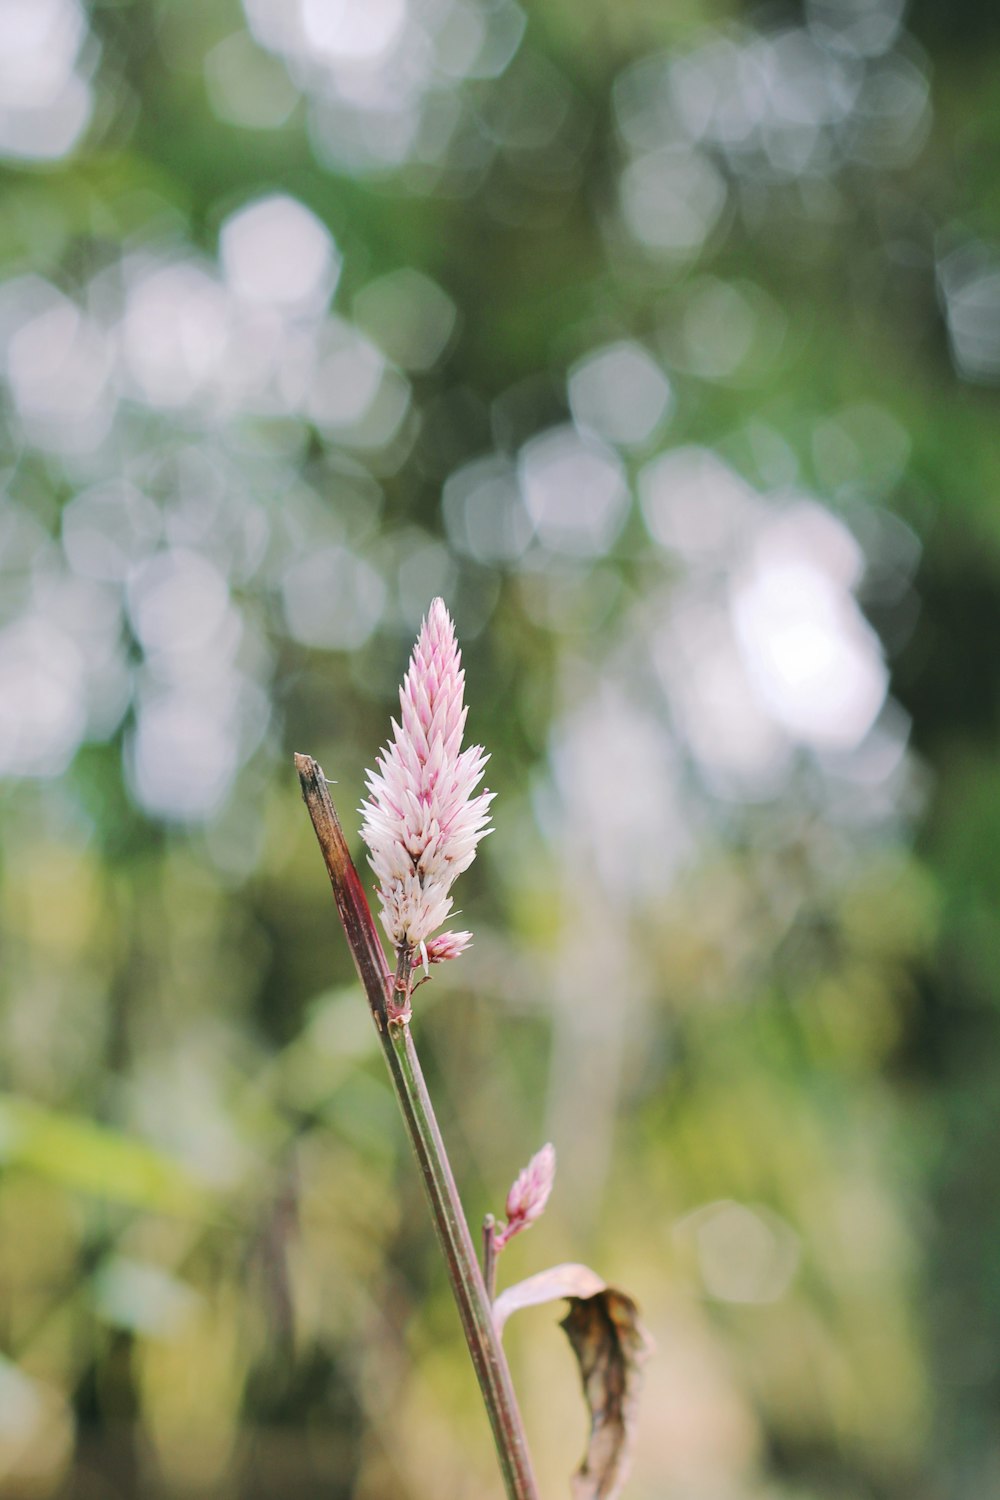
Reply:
x=662 y=341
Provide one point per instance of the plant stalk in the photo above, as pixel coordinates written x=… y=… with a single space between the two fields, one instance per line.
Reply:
x=392 y=1024
x=490 y=1257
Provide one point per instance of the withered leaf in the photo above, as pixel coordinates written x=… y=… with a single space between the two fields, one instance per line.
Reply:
x=568 y=1280
x=610 y=1345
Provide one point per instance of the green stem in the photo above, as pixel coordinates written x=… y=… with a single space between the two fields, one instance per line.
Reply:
x=467 y=1284
x=466 y=1279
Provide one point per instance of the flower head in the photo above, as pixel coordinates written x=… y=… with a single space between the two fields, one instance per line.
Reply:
x=421 y=820
x=529 y=1194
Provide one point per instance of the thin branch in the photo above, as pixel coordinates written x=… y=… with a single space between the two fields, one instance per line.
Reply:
x=391 y=1020
x=490 y=1256
x=348 y=892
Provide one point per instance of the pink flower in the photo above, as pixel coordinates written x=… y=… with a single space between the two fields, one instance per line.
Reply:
x=529 y=1194
x=446 y=945
x=421 y=820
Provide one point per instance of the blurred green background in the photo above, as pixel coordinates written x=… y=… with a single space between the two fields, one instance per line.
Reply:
x=662 y=340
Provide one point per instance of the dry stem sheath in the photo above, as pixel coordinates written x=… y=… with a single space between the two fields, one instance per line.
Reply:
x=418 y=1114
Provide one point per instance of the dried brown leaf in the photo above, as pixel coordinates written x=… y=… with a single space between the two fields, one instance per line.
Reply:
x=610 y=1345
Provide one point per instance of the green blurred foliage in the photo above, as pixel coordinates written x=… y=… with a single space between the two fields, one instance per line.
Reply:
x=736 y=959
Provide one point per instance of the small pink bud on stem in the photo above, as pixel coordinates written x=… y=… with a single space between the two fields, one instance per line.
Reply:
x=527 y=1198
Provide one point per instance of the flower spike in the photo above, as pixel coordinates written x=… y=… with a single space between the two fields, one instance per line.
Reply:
x=422 y=821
